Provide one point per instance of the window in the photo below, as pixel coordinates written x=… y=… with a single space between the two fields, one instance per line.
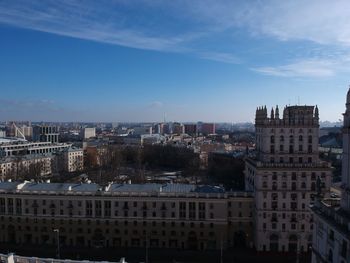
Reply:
x=274 y=176
x=291 y=149
x=309 y=149
x=291 y=139
x=182 y=210
x=310 y=139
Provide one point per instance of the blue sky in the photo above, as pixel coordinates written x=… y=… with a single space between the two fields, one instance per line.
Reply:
x=209 y=60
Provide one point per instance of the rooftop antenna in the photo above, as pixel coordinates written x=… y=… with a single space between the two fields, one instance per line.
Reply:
x=298 y=100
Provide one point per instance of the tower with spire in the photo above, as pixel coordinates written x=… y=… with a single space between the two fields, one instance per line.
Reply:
x=331 y=236
x=283 y=176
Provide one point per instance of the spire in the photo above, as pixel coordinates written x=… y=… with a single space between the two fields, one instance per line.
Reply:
x=316 y=113
x=348 y=101
x=272 y=114
x=277 y=112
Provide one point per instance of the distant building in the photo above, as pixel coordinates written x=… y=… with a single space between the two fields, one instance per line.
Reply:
x=178 y=128
x=142 y=130
x=191 y=129
x=87 y=133
x=28 y=165
x=45 y=133
x=331 y=236
x=27 y=131
x=207 y=128
x=70 y=160
x=159 y=128
x=283 y=177
x=13 y=147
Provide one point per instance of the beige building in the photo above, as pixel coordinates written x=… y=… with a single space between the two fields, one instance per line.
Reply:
x=87 y=133
x=283 y=178
x=331 y=240
x=28 y=165
x=125 y=215
x=70 y=160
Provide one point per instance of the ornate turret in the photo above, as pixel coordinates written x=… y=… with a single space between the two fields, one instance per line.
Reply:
x=272 y=114
x=316 y=113
x=277 y=116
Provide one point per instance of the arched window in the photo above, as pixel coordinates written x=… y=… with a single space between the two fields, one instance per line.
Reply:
x=272 y=139
x=310 y=139
x=291 y=139
x=300 y=138
x=282 y=138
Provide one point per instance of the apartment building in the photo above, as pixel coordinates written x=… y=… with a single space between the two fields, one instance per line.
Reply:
x=29 y=165
x=331 y=237
x=283 y=177
x=70 y=160
x=125 y=215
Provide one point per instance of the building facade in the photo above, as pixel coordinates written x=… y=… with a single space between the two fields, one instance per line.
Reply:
x=45 y=133
x=28 y=165
x=22 y=147
x=283 y=178
x=128 y=215
x=70 y=160
x=331 y=239
x=87 y=133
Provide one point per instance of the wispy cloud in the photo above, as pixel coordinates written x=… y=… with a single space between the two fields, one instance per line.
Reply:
x=304 y=68
x=156 y=104
x=185 y=26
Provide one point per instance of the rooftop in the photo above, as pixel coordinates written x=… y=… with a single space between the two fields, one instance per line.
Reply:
x=28 y=187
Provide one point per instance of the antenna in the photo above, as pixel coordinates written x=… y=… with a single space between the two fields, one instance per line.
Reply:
x=298 y=100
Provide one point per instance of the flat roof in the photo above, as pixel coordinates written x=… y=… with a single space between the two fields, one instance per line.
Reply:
x=43 y=187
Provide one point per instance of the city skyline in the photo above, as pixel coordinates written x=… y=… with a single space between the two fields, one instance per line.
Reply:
x=214 y=61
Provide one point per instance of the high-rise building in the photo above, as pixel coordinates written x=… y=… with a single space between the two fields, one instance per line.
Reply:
x=283 y=177
x=178 y=128
x=331 y=236
x=45 y=133
x=191 y=129
x=87 y=133
x=207 y=128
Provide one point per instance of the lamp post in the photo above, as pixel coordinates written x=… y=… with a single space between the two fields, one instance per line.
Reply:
x=57 y=231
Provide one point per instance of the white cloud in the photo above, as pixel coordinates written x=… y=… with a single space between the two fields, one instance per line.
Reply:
x=303 y=68
x=184 y=26
x=156 y=104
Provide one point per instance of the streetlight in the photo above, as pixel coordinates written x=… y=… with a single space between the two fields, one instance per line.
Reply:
x=58 y=242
